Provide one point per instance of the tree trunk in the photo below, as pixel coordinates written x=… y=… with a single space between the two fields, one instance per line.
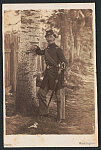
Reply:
x=65 y=38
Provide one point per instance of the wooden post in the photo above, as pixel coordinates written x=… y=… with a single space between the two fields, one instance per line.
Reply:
x=14 y=46
x=62 y=98
x=61 y=104
x=15 y=61
x=12 y=66
x=15 y=68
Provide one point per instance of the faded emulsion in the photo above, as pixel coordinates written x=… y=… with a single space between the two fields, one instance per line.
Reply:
x=49 y=72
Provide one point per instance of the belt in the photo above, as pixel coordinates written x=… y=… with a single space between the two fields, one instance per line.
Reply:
x=61 y=66
x=49 y=67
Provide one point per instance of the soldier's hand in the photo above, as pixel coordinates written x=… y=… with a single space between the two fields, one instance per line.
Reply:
x=59 y=71
x=34 y=47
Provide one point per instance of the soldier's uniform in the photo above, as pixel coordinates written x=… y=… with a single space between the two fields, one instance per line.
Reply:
x=53 y=57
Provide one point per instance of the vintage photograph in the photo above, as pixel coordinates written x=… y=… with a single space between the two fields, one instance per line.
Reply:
x=49 y=74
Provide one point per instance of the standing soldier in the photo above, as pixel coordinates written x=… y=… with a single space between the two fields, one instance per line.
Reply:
x=53 y=76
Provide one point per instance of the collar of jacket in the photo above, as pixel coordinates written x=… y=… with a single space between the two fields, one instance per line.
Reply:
x=51 y=45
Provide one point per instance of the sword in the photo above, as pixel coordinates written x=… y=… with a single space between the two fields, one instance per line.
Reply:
x=56 y=82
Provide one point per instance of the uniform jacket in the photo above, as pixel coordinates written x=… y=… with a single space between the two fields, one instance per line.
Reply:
x=51 y=73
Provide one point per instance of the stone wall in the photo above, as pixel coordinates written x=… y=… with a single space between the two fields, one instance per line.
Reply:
x=27 y=63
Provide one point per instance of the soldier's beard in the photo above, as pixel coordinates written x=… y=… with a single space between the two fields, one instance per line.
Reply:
x=51 y=41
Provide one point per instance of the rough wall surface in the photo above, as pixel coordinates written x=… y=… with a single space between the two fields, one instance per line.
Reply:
x=26 y=73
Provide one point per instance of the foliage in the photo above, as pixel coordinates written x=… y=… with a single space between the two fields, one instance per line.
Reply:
x=57 y=19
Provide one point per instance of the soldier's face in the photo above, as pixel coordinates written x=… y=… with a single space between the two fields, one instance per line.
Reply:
x=50 y=39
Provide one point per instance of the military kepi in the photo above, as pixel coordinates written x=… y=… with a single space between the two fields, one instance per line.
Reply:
x=50 y=32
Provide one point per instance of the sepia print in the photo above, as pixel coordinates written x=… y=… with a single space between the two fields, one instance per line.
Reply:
x=50 y=89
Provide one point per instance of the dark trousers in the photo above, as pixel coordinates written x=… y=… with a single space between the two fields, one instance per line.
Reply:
x=43 y=107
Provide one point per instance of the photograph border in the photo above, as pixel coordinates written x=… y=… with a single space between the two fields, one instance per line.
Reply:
x=10 y=138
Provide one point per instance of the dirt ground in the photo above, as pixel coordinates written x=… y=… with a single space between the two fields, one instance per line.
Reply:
x=80 y=107
x=79 y=114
